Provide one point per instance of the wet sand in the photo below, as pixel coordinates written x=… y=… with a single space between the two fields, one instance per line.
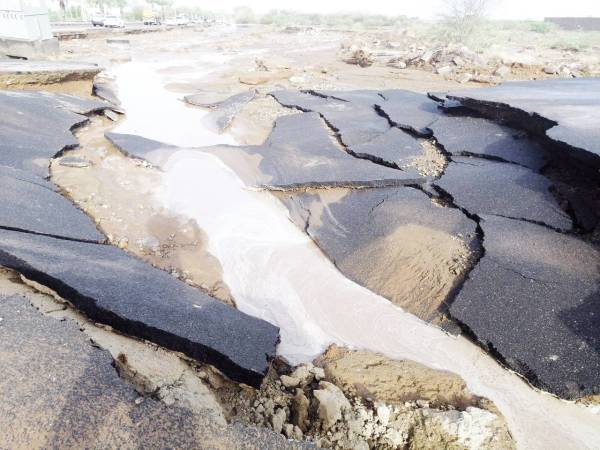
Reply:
x=117 y=192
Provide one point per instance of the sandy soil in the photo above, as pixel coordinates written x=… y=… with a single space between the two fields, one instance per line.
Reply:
x=117 y=192
x=422 y=268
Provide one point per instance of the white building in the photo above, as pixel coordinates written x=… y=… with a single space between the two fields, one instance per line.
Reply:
x=25 y=28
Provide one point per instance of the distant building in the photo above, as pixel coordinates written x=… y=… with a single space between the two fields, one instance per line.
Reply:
x=25 y=29
x=576 y=23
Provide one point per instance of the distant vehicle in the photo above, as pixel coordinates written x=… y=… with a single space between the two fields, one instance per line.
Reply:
x=151 y=21
x=150 y=17
x=98 y=20
x=177 y=21
x=113 y=22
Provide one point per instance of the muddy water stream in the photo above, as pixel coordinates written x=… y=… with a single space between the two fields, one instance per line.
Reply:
x=275 y=272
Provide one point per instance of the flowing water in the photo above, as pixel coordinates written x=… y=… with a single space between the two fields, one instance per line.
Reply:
x=275 y=272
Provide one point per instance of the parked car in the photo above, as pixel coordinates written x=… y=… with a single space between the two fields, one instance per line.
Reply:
x=113 y=22
x=98 y=20
x=151 y=21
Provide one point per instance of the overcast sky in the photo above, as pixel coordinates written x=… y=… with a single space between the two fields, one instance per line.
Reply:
x=501 y=9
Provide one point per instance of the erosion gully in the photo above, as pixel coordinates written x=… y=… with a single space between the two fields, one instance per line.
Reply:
x=277 y=273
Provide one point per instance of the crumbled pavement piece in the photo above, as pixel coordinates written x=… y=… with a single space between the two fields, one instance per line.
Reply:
x=147 y=303
x=489 y=187
x=461 y=136
x=356 y=121
x=74 y=161
x=301 y=153
x=566 y=110
x=409 y=110
x=536 y=305
x=36 y=126
x=33 y=205
x=222 y=113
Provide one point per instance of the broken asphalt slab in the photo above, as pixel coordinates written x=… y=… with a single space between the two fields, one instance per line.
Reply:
x=156 y=153
x=31 y=73
x=36 y=126
x=301 y=152
x=394 y=148
x=354 y=122
x=59 y=390
x=116 y=289
x=222 y=113
x=394 y=241
x=33 y=205
x=409 y=110
x=566 y=110
x=481 y=186
x=461 y=136
x=534 y=300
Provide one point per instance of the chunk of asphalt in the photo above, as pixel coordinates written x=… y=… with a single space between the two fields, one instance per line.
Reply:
x=370 y=235
x=59 y=388
x=566 y=110
x=300 y=152
x=35 y=206
x=394 y=147
x=223 y=112
x=534 y=299
x=114 y=288
x=481 y=137
x=366 y=96
x=35 y=126
x=482 y=186
x=140 y=147
x=409 y=110
x=355 y=122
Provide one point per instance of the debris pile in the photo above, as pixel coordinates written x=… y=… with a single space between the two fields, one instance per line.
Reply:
x=359 y=400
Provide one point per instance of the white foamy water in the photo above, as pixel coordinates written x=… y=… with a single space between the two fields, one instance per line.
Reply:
x=275 y=272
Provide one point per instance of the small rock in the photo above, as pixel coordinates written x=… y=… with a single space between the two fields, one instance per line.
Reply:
x=303 y=373
x=298 y=435
x=331 y=403
x=464 y=77
x=123 y=243
x=288 y=430
x=318 y=372
x=290 y=382
x=458 y=61
x=383 y=414
x=444 y=71
x=74 y=161
x=551 y=69
x=278 y=420
x=502 y=71
x=300 y=406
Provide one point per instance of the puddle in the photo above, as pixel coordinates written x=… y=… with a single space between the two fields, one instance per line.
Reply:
x=275 y=272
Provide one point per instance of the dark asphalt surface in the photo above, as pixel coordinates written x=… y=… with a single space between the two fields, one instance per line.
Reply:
x=534 y=299
x=116 y=289
x=489 y=187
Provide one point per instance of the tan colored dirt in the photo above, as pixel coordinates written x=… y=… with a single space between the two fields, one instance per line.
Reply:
x=379 y=379
x=417 y=270
x=117 y=192
x=38 y=82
